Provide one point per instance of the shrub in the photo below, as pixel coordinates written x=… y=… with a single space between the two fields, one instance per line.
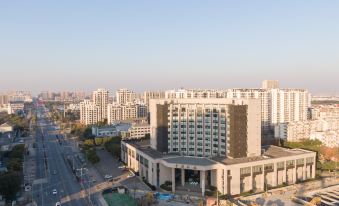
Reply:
x=89 y=142
x=166 y=186
x=148 y=184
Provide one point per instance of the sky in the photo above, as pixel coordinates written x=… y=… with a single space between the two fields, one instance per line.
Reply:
x=152 y=45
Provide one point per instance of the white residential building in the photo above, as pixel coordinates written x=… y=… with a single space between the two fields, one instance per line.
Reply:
x=153 y=95
x=100 y=98
x=117 y=112
x=124 y=96
x=325 y=130
x=90 y=113
x=270 y=84
x=277 y=105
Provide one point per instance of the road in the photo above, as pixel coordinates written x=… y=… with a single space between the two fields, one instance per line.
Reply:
x=52 y=170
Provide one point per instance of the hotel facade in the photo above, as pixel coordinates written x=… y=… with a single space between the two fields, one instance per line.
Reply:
x=200 y=143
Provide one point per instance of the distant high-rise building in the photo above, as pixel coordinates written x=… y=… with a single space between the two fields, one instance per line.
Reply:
x=4 y=100
x=277 y=105
x=100 y=98
x=270 y=84
x=79 y=95
x=153 y=95
x=24 y=96
x=124 y=96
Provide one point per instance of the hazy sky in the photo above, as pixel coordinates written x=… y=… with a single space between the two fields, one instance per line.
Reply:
x=83 y=45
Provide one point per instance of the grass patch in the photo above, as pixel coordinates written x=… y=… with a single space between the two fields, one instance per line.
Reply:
x=116 y=199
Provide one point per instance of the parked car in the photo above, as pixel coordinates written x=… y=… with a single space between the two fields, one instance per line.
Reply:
x=54 y=192
x=108 y=177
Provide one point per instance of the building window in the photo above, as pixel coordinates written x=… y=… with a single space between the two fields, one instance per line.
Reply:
x=245 y=170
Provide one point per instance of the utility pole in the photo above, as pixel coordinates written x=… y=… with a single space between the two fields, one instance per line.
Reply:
x=89 y=184
x=217 y=197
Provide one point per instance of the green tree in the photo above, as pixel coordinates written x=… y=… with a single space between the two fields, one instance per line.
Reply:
x=92 y=156
x=87 y=134
x=15 y=164
x=113 y=146
x=10 y=185
x=17 y=152
x=328 y=165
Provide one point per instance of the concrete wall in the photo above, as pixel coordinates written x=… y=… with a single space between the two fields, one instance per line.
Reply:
x=254 y=128
x=165 y=174
x=214 y=178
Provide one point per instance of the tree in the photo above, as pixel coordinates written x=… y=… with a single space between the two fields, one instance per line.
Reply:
x=92 y=156
x=87 y=134
x=329 y=153
x=10 y=185
x=17 y=152
x=113 y=146
x=328 y=165
x=149 y=198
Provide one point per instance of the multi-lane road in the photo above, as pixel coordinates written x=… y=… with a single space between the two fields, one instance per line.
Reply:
x=53 y=172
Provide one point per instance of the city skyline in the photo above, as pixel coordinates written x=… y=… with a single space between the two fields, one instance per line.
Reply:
x=165 y=45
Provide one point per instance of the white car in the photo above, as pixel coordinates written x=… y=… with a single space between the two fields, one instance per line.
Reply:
x=54 y=192
x=131 y=175
x=108 y=176
x=122 y=167
x=58 y=204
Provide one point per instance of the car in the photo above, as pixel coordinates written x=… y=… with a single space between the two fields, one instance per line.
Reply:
x=122 y=167
x=21 y=141
x=93 y=180
x=108 y=176
x=130 y=175
x=54 y=192
x=57 y=204
x=28 y=188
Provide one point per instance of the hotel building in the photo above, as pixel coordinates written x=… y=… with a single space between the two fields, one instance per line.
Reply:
x=202 y=142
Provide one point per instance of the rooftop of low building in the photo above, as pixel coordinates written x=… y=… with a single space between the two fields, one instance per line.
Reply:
x=269 y=152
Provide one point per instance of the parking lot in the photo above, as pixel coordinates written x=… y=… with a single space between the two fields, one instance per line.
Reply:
x=108 y=165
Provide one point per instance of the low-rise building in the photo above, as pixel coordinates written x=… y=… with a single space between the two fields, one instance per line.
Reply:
x=5 y=127
x=15 y=107
x=275 y=167
x=136 y=131
x=115 y=129
x=104 y=131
